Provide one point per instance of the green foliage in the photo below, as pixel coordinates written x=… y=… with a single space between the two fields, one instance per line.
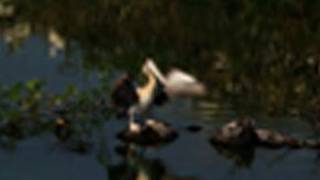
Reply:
x=28 y=110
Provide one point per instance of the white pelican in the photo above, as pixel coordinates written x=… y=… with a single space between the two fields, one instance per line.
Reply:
x=131 y=100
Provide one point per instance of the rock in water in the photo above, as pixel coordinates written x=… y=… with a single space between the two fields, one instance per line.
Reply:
x=236 y=133
x=153 y=132
x=244 y=133
x=273 y=139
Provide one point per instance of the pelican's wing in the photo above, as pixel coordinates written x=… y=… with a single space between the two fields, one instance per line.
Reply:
x=123 y=95
x=177 y=82
x=181 y=83
x=177 y=76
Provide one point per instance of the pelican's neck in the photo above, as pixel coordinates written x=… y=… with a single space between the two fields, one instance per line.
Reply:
x=152 y=81
x=147 y=89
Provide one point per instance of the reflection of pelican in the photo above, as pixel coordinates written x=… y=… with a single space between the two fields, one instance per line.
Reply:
x=131 y=100
x=135 y=166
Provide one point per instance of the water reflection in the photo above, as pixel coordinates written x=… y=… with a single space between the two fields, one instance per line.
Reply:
x=57 y=43
x=136 y=166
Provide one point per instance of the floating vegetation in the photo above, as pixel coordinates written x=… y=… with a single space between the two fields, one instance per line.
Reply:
x=28 y=110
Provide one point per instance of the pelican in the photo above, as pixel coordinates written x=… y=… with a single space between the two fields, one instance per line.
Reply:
x=131 y=100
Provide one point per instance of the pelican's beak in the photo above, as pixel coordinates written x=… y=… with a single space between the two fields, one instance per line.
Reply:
x=145 y=67
x=152 y=67
x=148 y=66
x=149 y=63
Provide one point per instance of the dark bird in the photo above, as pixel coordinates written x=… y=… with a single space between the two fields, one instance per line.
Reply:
x=130 y=100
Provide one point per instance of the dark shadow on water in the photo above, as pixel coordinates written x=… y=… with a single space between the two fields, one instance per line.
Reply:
x=241 y=156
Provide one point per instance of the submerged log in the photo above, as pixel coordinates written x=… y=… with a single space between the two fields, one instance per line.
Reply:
x=152 y=132
x=244 y=133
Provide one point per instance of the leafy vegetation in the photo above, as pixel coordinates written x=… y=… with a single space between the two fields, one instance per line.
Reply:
x=27 y=110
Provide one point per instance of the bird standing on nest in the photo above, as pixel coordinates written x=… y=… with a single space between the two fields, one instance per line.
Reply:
x=130 y=100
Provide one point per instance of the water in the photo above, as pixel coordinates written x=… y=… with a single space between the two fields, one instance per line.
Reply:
x=253 y=64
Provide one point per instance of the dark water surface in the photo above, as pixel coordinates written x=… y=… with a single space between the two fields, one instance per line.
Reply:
x=258 y=59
